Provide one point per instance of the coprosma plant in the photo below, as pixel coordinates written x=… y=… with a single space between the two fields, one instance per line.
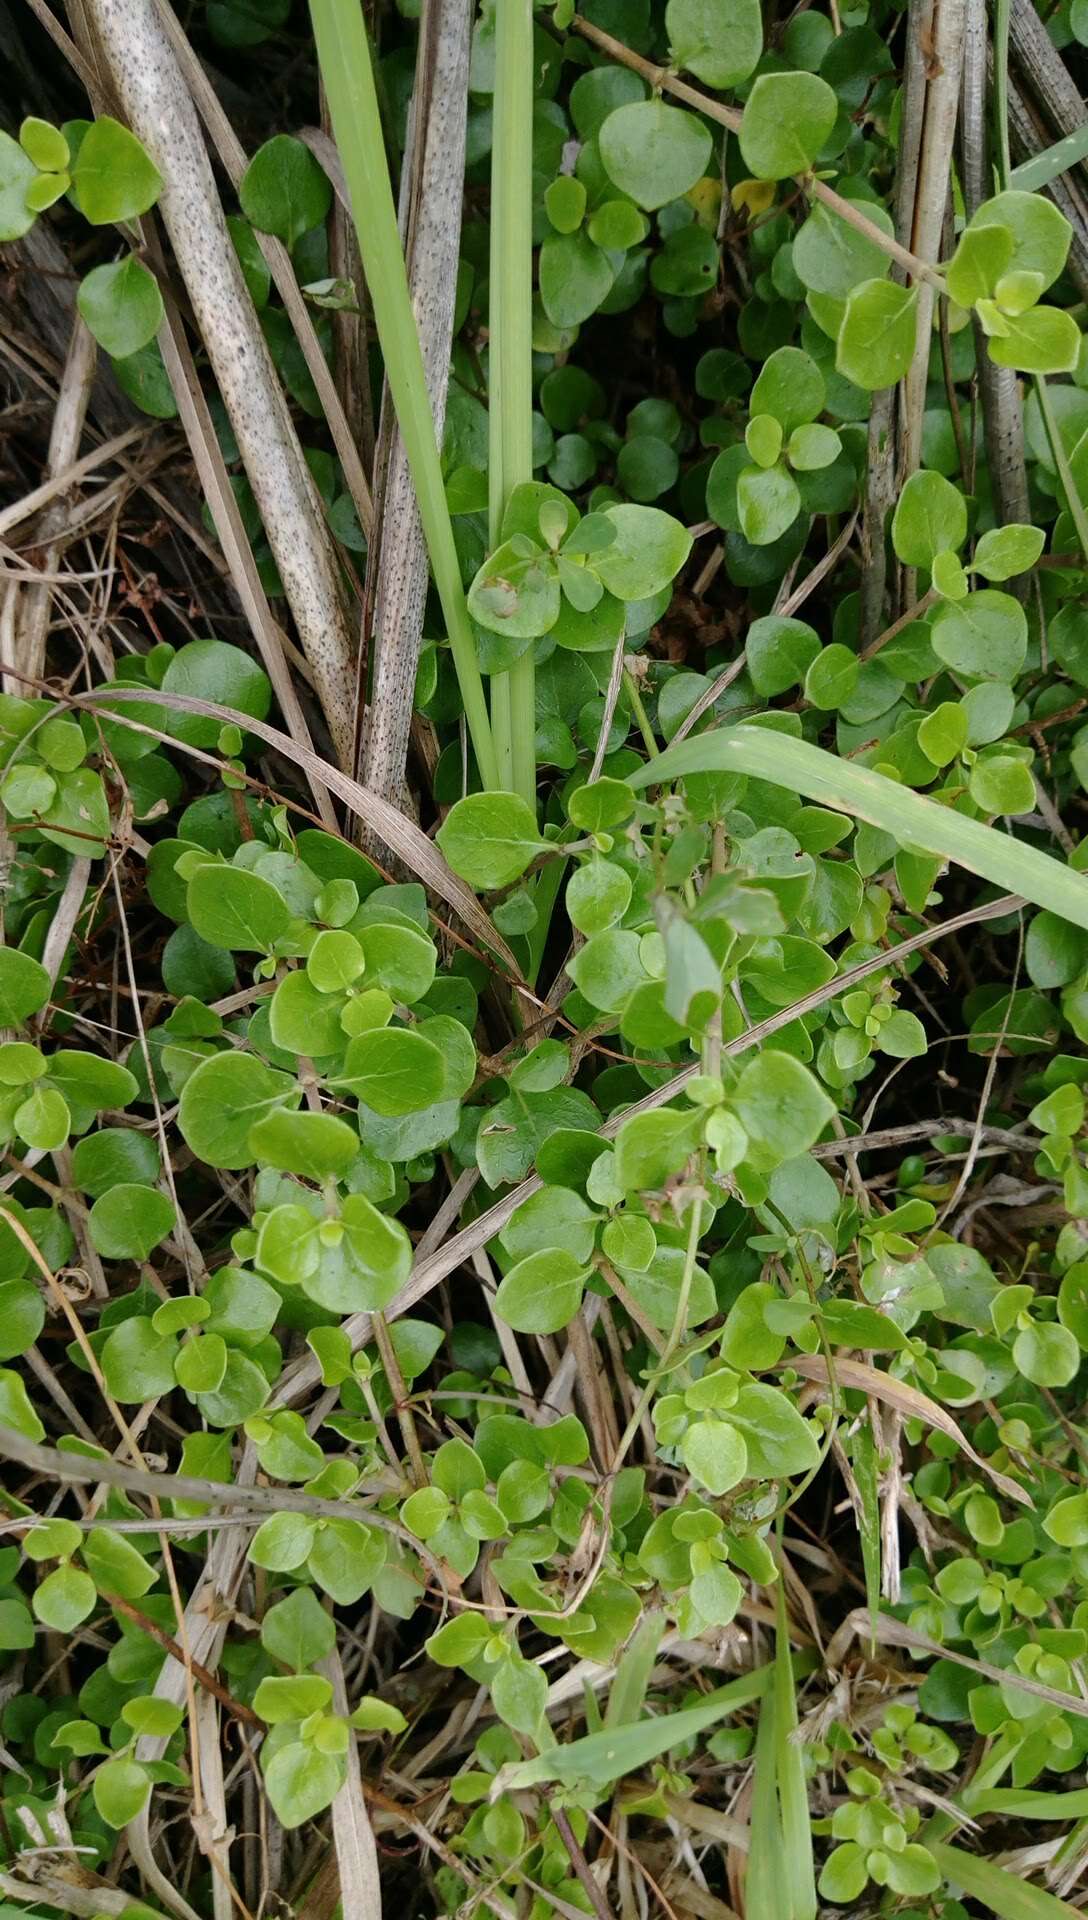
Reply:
x=315 y=1061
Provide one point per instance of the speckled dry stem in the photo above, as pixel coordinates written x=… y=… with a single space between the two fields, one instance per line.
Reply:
x=144 y=73
x=398 y=579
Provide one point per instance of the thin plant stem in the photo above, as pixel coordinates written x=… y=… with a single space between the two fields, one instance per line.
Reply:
x=347 y=75
x=641 y=717
x=513 y=695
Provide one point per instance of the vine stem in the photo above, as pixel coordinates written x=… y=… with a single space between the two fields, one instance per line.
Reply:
x=344 y=59
x=513 y=694
x=664 y=80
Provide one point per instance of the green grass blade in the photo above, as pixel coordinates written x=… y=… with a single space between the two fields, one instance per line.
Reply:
x=627 y=1694
x=601 y=1758
x=994 y=1887
x=765 y=1887
x=344 y=59
x=910 y=817
x=798 y=1871
x=1031 y=176
x=1022 y=1804
x=510 y=339
x=866 y=1479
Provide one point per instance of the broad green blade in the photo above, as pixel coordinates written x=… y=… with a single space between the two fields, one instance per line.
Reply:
x=628 y=1690
x=601 y=1758
x=797 y=1869
x=1032 y=175
x=909 y=817
x=765 y=1885
x=343 y=56
x=1004 y=1893
x=1022 y=1804
x=863 y=1460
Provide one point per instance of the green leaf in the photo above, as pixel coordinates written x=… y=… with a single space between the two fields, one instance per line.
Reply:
x=519 y=1692
x=515 y=594
x=283 y=1541
x=576 y=275
x=45 y=144
x=543 y=1292
x=652 y=152
x=787 y=119
x=791 y=1776
x=24 y=986
x=345 y=1559
x=908 y=817
x=648 y=552
x=831 y=257
x=213 y=670
x=16 y=1410
x=113 y=177
x=878 y=332
x=1047 y=1355
x=395 y=1070
x=458 y=1641
x=844 y=1875
x=121 y=1789
x=984 y=634
x=284 y=191
x=651 y=1147
x=223 y=1098
x=490 y=838
x=781 y=1107
x=112 y=1156
x=129 y=1220
x=1000 y=783
x=554 y=1217
x=378 y=1716
x=1004 y=551
x=146 y=1714
x=598 y=895
x=22 y=1317
x=300 y=1780
x=17 y=173
x=138 y=1362
x=768 y=502
x=719 y=41
x=1041 y=235
x=981 y=257
x=398 y=961
x=316 y=1145
x=715 y=1455
x=930 y=516
x=17 y=1632
x=230 y=907
x=122 y=305
x=65 y=1598
x=43 y=1119
x=789 y=387
x=779 y=1442
x=115 y=1565
x=285 y=1697
x=1043 y=340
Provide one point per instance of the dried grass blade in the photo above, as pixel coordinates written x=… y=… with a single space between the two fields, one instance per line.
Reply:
x=908 y=1400
x=353 y=1836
